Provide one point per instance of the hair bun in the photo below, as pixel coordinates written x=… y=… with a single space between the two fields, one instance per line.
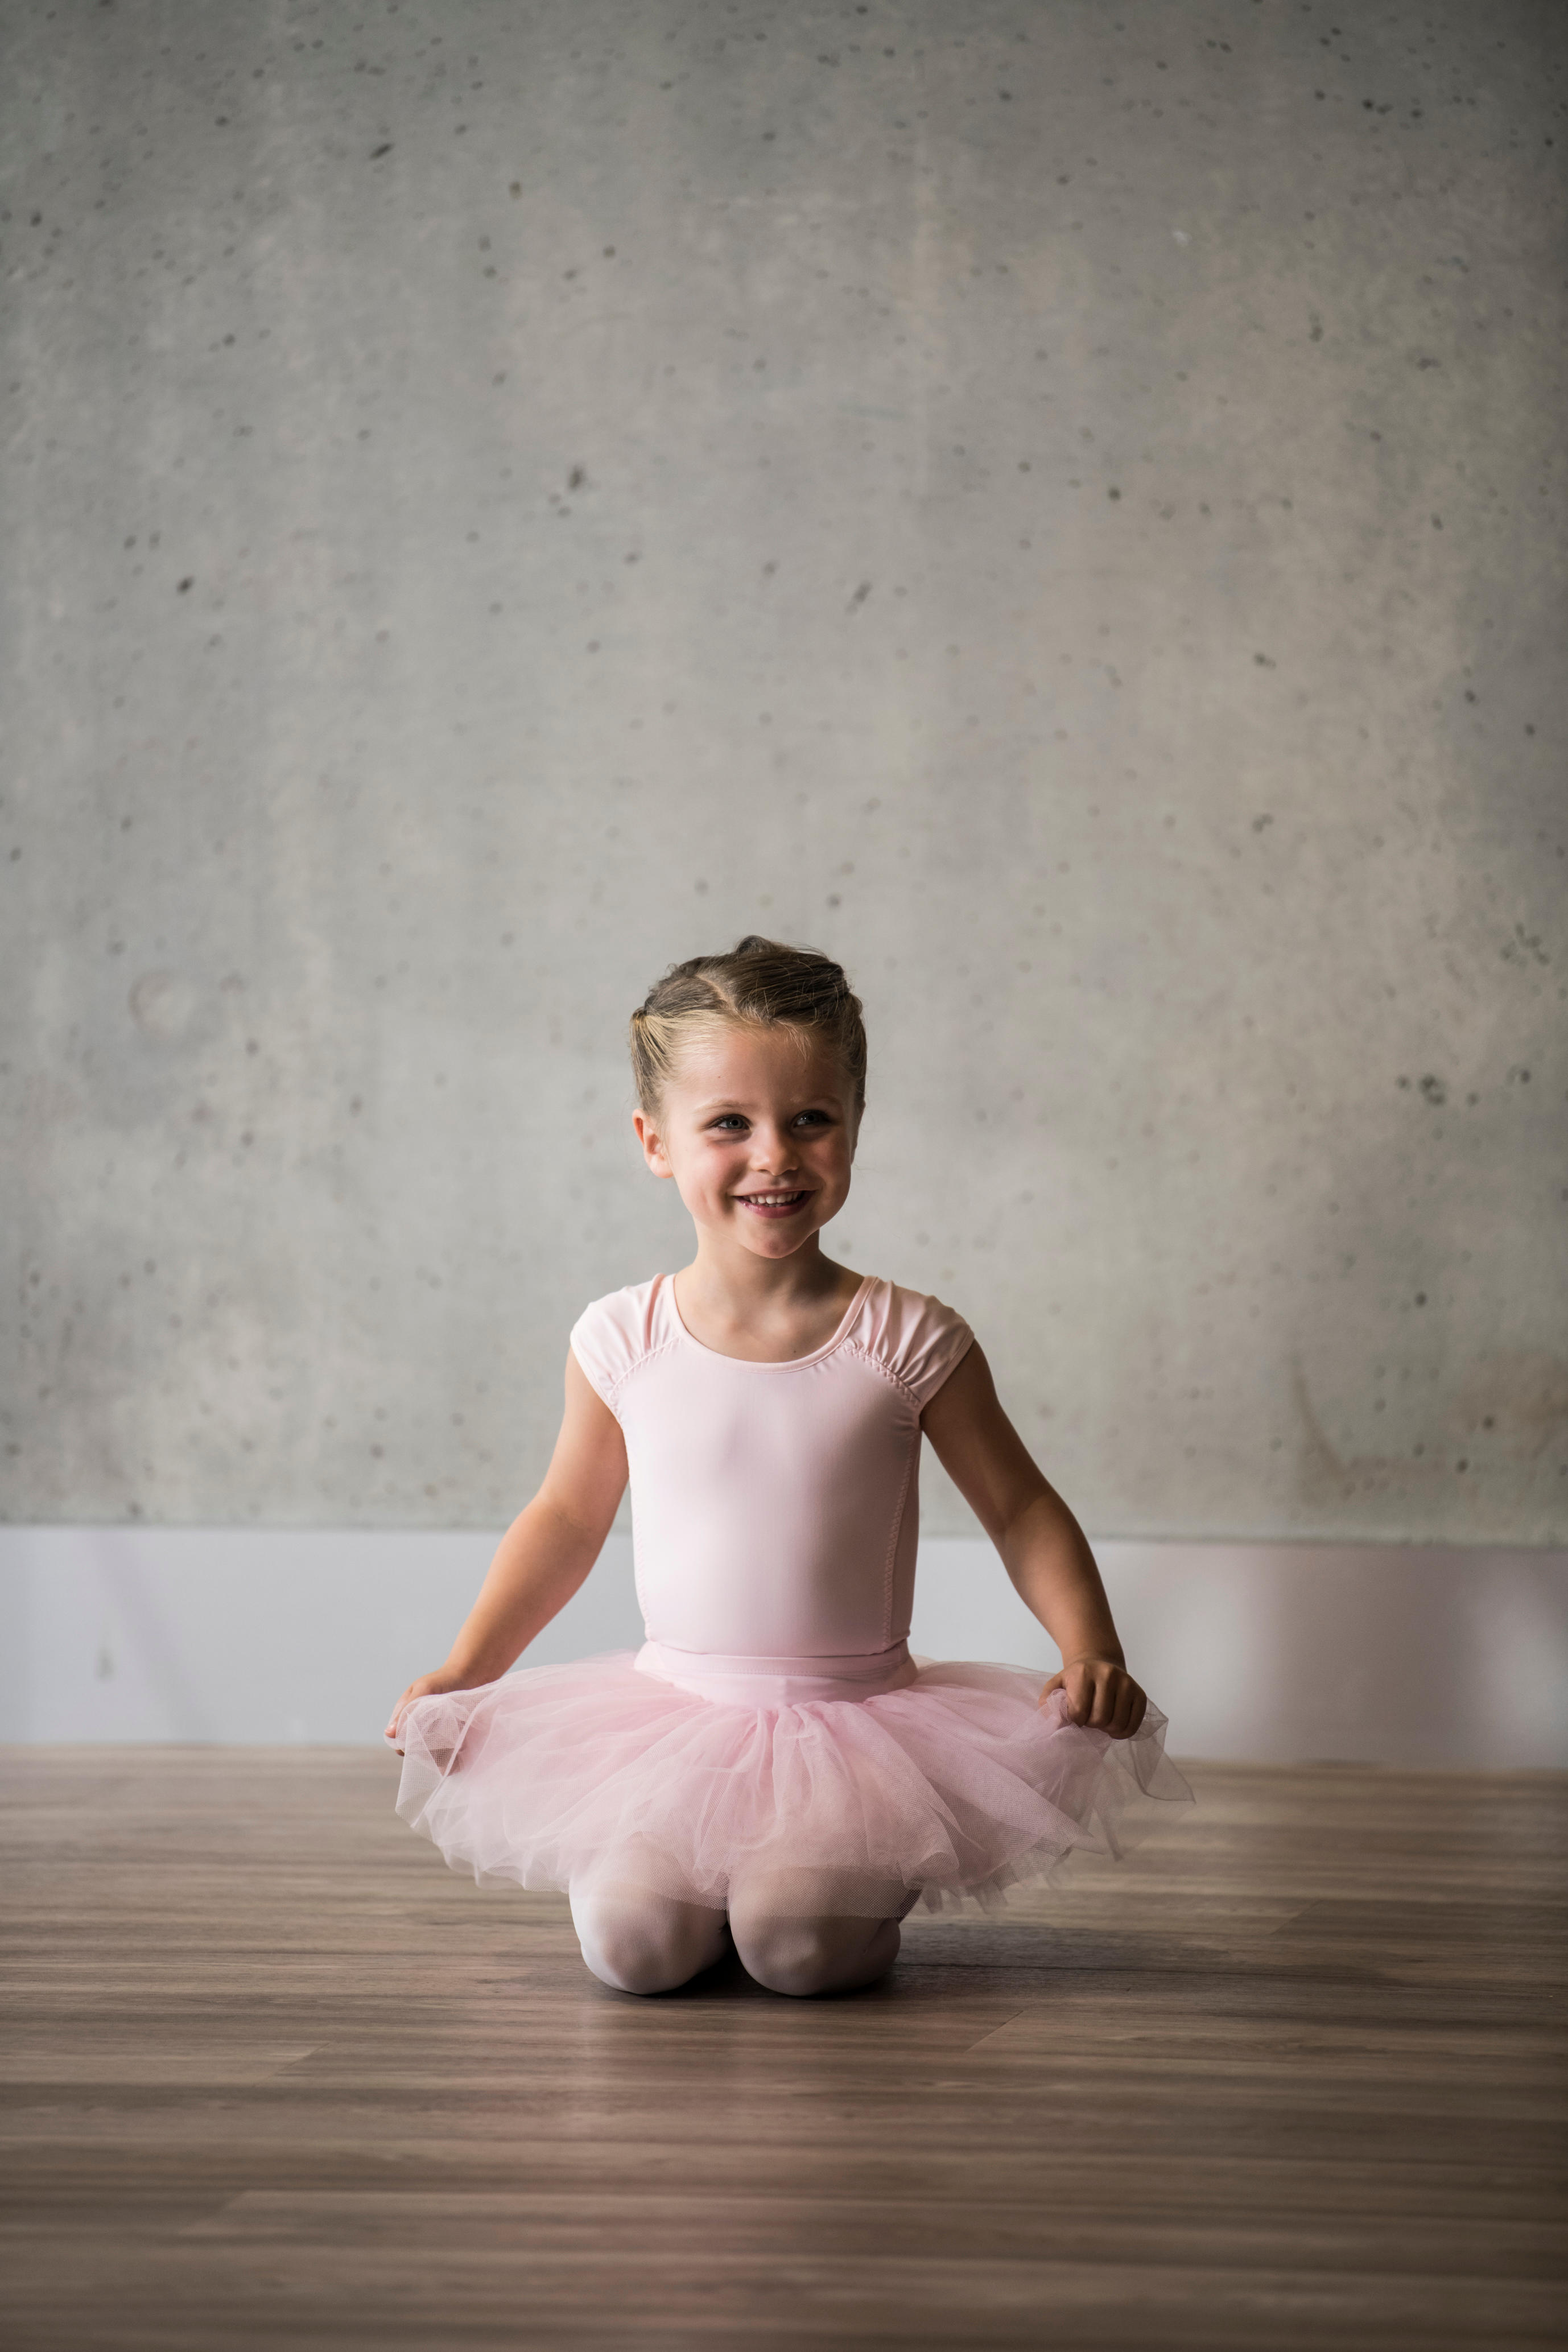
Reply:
x=760 y=982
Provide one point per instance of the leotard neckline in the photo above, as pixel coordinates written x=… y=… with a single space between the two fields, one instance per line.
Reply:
x=786 y=1364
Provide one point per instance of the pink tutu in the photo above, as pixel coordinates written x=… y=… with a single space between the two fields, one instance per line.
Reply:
x=951 y=1789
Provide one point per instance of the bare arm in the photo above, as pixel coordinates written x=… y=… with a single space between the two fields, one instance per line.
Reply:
x=546 y=1552
x=1043 y=1548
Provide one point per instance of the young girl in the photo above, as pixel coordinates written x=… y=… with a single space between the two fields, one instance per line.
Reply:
x=771 y=1766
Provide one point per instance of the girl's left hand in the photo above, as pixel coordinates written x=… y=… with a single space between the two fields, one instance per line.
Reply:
x=1100 y=1693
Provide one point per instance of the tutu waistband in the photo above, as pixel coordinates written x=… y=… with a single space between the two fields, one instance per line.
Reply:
x=778 y=1681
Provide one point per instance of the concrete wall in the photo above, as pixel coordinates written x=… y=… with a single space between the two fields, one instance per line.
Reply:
x=1061 y=504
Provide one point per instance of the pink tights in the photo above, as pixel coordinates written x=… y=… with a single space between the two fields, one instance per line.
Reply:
x=640 y=1942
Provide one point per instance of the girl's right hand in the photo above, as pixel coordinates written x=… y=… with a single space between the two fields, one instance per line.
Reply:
x=445 y=1678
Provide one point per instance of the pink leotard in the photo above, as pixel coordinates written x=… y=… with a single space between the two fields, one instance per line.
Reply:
x=775 y=1506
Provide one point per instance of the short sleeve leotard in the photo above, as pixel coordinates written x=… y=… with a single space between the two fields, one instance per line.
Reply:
x=773 y=1719
x=775 y=1506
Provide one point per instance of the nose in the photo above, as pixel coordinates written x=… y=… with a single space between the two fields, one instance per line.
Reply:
x=772 y=1151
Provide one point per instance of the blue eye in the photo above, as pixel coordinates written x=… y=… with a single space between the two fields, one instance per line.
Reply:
x=729 y=1121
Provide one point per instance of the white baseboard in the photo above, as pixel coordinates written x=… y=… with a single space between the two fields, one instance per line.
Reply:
x=1260 y=1652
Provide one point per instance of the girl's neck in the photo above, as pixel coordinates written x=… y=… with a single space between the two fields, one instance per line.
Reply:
x=765 y=1310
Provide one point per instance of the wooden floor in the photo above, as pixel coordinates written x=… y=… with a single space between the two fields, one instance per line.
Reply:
x=272 y=2076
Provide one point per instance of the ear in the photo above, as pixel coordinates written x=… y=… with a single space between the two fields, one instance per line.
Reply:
x=653 y=1151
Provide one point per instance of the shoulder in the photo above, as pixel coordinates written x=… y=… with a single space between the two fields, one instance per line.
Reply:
x=917 y=1338
x=614 y=1334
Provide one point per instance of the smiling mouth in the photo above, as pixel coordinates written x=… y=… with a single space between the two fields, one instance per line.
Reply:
x=773 y=1204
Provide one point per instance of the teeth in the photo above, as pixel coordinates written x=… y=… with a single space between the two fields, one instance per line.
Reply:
x=769 y=1200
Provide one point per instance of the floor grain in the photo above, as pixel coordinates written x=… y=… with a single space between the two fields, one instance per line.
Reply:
x=269 y=2074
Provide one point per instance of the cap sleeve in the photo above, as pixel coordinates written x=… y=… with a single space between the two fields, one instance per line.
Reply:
x=611 y=1338
x=922 y=1342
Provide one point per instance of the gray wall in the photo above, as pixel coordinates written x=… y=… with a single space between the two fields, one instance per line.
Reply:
x=1059 y=504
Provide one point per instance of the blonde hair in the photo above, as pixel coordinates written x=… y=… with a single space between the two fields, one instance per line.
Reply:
x=759 y=983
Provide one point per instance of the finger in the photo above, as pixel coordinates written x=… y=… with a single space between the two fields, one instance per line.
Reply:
x=1135 y=1708
x=1080 y=1690
x=1127 y=1692
x=1098 y=1699
x=401 y=1709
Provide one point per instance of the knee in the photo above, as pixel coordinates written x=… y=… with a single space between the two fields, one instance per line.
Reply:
x=801 y=1956
x=638 y=1947
x=789 y=1956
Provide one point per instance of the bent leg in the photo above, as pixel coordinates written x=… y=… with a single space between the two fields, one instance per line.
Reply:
x=639 y=1942
x=790 y=1941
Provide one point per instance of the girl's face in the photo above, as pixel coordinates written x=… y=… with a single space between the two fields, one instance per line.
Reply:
x=757 y=1127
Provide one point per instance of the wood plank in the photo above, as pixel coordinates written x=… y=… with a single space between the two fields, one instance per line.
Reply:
x=1294 y=2074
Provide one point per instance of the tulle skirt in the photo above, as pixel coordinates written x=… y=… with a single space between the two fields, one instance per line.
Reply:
x=946 y=1792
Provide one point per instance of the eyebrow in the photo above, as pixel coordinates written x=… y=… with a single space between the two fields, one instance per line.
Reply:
x=735 y=1102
